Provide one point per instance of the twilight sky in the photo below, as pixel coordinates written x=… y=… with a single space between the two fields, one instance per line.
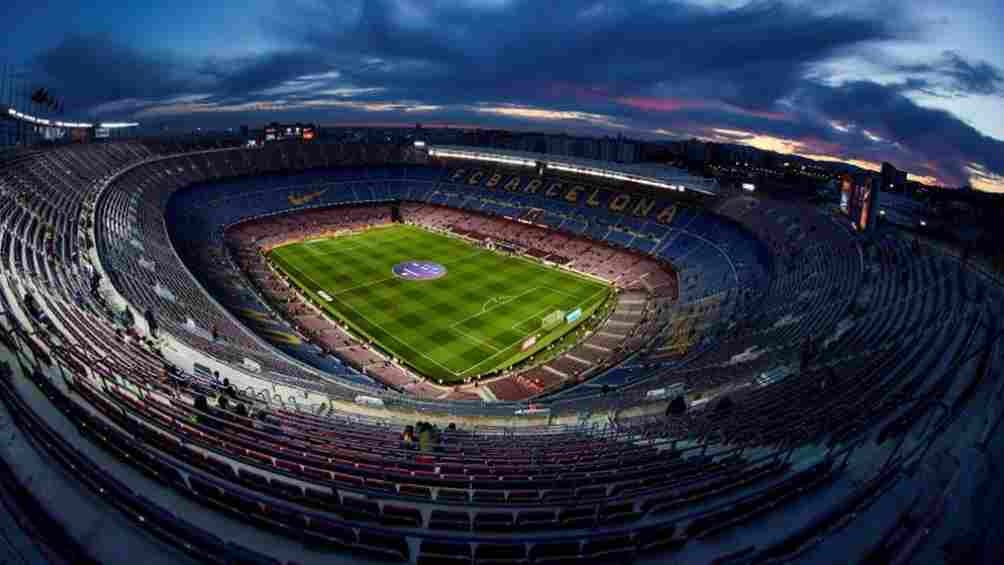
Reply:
x=919 y=83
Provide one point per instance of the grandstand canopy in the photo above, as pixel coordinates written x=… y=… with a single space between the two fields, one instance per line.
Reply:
x=658 y=176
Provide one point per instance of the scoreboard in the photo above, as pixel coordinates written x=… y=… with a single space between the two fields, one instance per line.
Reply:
x=858 y=199
x=282 y=132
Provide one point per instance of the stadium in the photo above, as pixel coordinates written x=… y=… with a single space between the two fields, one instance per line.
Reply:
x=427 y=345
x=230 y=346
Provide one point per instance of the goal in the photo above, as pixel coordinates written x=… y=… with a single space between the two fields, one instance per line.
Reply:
x=552 y=320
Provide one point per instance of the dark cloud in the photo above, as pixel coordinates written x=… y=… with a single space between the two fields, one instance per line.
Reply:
x=978 y=77
x=240 y=77
x=630 y=65
x=93 y=69
x=953 y=74
x=931 y=139
x=749 y=56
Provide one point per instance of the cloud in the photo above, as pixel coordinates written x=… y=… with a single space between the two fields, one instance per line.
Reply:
x=97 y=69
x=748 y=56
x=280 y=105
x=549 y=115
x=741 y=71
x=676 y=105
x=937 y=142
x=953 y=74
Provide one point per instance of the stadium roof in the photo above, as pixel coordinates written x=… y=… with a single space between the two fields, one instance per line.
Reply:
x=659 y=176
x=14 y=114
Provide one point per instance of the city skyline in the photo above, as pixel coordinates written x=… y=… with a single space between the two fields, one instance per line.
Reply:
x=916 y=84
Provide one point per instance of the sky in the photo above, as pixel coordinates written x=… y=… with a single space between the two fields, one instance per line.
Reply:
x=918 y=83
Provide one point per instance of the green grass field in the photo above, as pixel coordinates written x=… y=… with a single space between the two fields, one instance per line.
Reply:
x=471 y=321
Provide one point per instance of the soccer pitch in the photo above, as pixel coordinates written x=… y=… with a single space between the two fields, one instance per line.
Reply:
x=446 y=308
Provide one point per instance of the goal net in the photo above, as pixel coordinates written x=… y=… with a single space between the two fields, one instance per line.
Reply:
x=552 y=320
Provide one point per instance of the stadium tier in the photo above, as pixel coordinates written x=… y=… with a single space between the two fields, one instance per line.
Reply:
x=311 y=352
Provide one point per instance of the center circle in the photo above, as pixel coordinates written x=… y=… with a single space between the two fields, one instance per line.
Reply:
x=419 y=270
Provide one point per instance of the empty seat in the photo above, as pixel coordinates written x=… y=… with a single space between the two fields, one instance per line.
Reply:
x=450 y=520
x=359 y=509
x=285 y=489
x=440 y=552
x=401 y=516
x=659 y=538
x=488 y=497
x=451 y=495
x=534 y=520
x=253 y=480
x=415 y=491
x=321 y=530
x=500 y=554
x=610 y=549
x=559 y=495
x=383 y=545
x=240 y=555
x=582 y=517
x=524 y=496
x=620 y=513
x=381 y=486
x=587 y=493
x=493 y=521
x=320 y=499
x=554 y=553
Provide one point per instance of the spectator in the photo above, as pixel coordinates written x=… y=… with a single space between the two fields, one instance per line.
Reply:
x=95 y=281
x=34 y=310
x=151 y=322
x=428 y=436
x=126 y=318
x=408 y=438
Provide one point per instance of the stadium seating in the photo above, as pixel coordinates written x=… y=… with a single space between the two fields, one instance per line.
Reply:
x=802 y=349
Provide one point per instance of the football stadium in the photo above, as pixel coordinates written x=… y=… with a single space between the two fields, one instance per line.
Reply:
x=488 y=312
x=313 y=343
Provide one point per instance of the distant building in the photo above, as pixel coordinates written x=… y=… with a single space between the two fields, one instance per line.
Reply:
x=607 y=150
x=893 y=179
x=697 y=151
x=628 y=152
